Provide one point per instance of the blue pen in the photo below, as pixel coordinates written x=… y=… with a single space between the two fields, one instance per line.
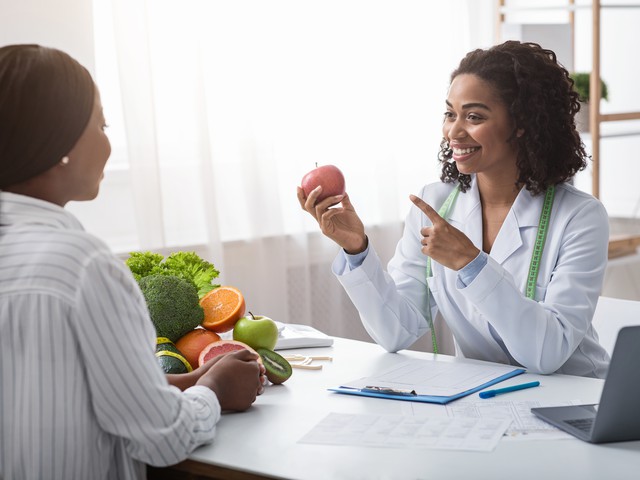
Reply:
x=493 y=393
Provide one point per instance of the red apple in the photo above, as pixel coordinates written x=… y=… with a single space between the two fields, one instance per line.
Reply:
x=329 y=177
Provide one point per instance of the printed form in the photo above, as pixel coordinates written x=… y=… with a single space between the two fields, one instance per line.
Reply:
x=524 y=425
x=408 y=431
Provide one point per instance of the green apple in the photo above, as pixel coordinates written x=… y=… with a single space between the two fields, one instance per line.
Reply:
x=257 y=331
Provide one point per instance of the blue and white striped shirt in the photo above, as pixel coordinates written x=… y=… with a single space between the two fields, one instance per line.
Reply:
x=81 y=393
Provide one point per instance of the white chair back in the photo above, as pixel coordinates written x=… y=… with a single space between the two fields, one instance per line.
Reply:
x=611 y=315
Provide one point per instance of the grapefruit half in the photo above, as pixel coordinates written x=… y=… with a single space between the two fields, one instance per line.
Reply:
x=221 y=347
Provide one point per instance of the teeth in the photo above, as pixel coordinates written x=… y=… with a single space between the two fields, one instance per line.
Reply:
x=464 y=151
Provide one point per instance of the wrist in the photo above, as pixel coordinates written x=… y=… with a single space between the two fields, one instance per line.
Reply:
x=185 y=380
x=358 y=249
x=180 y=380
x=467 y=260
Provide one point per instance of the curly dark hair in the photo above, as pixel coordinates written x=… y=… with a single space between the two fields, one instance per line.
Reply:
x=541 y=101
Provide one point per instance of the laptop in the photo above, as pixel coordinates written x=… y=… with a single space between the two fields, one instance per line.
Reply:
x=616 y=418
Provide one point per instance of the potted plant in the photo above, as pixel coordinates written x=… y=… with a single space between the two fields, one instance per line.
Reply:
x=581 y=85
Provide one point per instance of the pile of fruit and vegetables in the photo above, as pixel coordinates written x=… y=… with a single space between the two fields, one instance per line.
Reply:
x=189 y=312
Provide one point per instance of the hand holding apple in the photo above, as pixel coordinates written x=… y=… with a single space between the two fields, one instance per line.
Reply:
x=329 y=177
x=257 y=331
x=340 y=223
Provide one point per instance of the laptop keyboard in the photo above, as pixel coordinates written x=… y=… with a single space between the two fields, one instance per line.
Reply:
x=583 y=424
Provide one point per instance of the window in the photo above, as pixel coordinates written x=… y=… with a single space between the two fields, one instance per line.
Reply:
x=217 y=109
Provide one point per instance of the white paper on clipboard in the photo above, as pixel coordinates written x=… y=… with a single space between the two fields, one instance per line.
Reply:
x=291 y=335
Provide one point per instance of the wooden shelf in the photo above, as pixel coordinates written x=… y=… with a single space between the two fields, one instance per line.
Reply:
x=595 y=117
x=504 y=9
x=623 y=245
x=617 y=117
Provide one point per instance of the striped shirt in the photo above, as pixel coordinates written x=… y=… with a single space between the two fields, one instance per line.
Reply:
x=81 y=393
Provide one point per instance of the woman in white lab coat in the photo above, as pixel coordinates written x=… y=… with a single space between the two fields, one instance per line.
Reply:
x=516 y=265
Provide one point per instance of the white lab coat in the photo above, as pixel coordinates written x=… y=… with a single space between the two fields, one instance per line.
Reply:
x=491 y=318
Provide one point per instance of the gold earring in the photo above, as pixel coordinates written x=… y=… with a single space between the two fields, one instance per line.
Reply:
x=64 y=160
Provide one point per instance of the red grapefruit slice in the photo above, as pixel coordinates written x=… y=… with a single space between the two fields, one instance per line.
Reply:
x=221 y=347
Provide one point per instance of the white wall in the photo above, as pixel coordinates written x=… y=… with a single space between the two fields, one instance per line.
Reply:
x=63 y=24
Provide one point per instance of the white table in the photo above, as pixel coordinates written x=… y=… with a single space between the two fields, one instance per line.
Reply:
x=263 y=442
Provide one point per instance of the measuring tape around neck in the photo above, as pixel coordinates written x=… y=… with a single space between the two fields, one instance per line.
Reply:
x=536 y=256
x=538 y=247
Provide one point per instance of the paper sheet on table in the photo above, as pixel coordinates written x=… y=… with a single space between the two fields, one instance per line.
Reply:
x=524 y=424
x=401 y=431
x=434 y=378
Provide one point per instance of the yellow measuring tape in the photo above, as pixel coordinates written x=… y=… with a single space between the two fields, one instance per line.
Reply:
x=444 y=213
x=538 y=247
x=169 y=353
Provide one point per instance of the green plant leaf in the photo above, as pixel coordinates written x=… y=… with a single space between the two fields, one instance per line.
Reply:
x=581 y=83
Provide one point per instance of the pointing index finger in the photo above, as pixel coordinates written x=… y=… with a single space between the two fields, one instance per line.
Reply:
x=426 y=209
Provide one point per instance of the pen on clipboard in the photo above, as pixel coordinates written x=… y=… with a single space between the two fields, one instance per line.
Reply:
x=389 y=391
x=513 y=388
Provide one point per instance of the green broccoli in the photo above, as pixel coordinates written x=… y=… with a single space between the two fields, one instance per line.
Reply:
x=173 y=305
x=186 y=265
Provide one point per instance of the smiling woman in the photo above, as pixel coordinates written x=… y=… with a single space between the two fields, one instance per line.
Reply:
x=511 y=234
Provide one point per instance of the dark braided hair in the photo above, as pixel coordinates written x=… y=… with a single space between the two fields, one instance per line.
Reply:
x=540 y=99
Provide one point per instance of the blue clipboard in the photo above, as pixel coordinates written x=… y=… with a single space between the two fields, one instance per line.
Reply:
x=425 y=398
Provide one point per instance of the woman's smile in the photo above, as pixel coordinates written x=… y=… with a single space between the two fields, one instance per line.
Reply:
x=461 y=152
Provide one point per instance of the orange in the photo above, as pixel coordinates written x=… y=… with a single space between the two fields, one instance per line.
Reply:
x=223 y=307
x=193 y=342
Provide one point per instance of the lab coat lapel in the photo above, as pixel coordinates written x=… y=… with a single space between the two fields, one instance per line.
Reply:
x=466 y=215
x=524 y=213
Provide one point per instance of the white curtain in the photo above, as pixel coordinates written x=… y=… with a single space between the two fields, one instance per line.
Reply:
x=218 y=108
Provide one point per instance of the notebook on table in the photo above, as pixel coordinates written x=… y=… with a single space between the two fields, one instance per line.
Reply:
x=292 y=335
x=616 y=418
